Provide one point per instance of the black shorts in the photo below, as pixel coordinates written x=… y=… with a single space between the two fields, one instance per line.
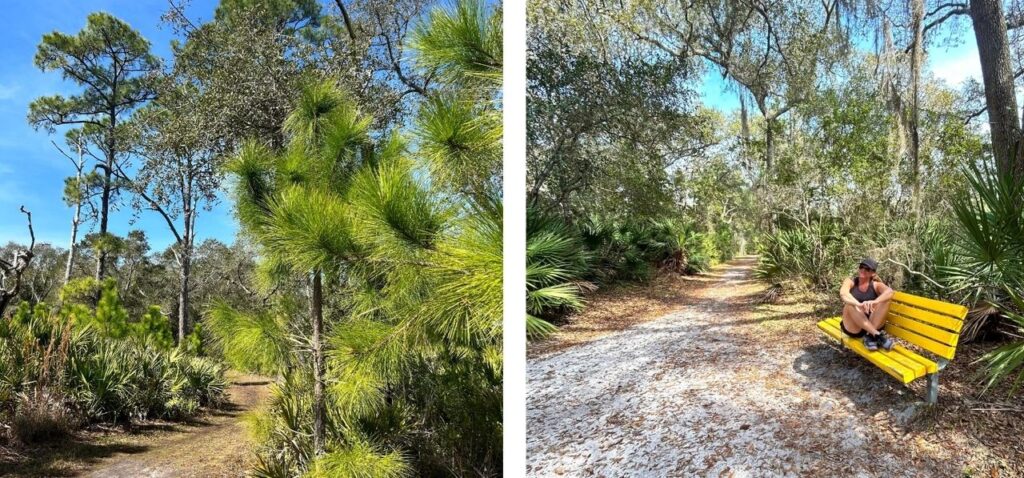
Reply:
x=851 y=334
x=858 y=334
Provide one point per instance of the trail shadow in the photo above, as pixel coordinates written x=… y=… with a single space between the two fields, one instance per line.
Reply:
x=51 y=459
x=252 y=383
x=828 y=368
x=749 y=298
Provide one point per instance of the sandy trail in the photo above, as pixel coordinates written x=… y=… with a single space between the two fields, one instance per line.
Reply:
x=709 y=390
x=215 y=447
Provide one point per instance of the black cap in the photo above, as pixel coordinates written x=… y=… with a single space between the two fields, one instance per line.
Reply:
x=869 y=263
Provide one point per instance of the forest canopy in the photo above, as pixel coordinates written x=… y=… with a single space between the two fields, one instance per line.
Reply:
x=843 y=143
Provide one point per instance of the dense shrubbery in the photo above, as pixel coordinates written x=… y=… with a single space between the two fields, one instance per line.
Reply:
x=819 y=255
x=564 y=261
x=63 y=368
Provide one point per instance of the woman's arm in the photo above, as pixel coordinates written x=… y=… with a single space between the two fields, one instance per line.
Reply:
x=884 y=292
x=845 y=295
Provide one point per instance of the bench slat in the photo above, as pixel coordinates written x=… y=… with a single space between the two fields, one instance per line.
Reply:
x=900 y=367
x=953 y=310
x=929 y=365
x=918 y=369
x=932 y=346
x=926 y=316
x=831 y=327
x=933 y=333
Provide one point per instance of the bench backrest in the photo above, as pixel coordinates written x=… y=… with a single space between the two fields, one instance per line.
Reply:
x=930 y=324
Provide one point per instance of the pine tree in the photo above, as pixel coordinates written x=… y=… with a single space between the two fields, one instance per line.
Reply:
x=400 y=248
x=112 y=63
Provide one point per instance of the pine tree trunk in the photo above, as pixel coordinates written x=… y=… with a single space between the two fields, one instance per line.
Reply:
x=101 y=254
x=997 y=75
x=316 y=312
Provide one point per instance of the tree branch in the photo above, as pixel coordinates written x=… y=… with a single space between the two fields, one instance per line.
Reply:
x=31 y=232
x=345 y=17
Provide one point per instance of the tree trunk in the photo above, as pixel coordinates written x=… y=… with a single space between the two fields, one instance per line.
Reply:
x=183 y=302
x=916 y=60
x=75 y=220
x=186 y=273
x=769 y=143
x=316 y=312
x=71 y=245
x=5 y=300
x=997 y=75
x=108 y=173
x=101 y=254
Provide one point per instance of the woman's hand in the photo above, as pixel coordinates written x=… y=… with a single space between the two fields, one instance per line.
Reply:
x=868 y=306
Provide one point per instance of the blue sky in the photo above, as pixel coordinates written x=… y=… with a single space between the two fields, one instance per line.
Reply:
x=32 y=172
x=951 y=64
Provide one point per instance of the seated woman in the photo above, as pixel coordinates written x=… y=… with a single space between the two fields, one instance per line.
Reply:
x=866 y=303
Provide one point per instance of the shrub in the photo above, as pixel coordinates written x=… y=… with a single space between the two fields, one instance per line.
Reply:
x=103 y=381
x=818 y=255
x=111 y=318
x=555 y=261
x=988 y=245
x=88 y=375
x=198 y=378
x=1007 y=362
x=40 y=416
x=193 y=343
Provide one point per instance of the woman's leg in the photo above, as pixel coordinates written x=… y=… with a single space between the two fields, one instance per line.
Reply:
x=880 y=314
x=854 y=320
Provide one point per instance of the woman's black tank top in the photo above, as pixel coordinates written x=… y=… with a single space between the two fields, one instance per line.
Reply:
x=867 y=295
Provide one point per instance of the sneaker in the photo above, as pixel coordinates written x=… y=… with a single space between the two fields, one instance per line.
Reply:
x=870 y=342
x=884 y=340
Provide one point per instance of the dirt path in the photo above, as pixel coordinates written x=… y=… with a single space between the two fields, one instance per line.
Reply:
x=215 y=446
x=715 y=389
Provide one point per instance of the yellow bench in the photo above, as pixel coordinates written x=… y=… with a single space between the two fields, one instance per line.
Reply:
x=931 y=325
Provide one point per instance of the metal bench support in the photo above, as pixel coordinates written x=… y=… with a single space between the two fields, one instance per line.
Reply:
x=933 y=382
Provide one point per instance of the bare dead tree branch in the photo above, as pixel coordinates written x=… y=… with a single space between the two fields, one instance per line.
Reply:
x=16 y=268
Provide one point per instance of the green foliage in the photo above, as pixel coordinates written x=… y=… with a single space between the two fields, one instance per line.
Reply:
x=464 y=46
x=563 y=261
x=193 y=343
x=256 y=342
x=80 y=290
x=62 y=368
x=632 y=249
x=359 y=460
x=820 y=256
x=989 y=238
x=154 y=327
x=555 y=263
x=408 y=242
x=107 y=58
x=111 y=318
x=1006 y=363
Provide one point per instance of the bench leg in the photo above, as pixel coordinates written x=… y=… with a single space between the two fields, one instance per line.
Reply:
x=933 y=388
